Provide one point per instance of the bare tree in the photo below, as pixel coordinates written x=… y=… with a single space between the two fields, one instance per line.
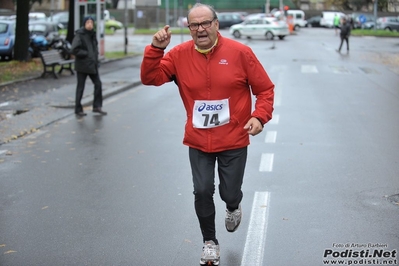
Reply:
x=22 y=32
x=71 y=22
x=382 y=5
x=115 y=3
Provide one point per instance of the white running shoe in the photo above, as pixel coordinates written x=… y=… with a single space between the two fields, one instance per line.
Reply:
x=233 y=219
x=210 y=254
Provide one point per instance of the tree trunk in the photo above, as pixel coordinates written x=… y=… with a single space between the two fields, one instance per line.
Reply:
x=22 y=32
x=71 y=22
x=115 y=3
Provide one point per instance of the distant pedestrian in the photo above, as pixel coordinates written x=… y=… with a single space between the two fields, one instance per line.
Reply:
x=344 y=34
x=85 y=49
x=351 y=22
x=337 y=21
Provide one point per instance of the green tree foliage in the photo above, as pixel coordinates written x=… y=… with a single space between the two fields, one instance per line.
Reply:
x=339 y=4
x=356 y=5
x=383 y=5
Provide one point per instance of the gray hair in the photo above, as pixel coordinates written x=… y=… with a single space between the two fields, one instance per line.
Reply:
x=215 y=16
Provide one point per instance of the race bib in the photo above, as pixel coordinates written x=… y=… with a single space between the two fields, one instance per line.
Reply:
x=209 y=114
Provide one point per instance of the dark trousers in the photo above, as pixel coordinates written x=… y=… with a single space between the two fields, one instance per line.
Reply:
x=346 y=39
x=98 y=96
x=231 y=166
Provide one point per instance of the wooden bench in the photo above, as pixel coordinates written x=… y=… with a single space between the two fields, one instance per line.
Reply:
x=53 y=58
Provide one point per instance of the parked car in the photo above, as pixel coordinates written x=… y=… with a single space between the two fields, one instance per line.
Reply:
x=61 y=17
x=7 y=39
x=5 y=17
x=360 y=18
x=368 y=25
x=268 y=27
x=33 y=16
x=37 y=16
x=182 y=22
x=227 y=19
x=388 y=23
x=46 y=29
x=113 y=24
x=313 y=22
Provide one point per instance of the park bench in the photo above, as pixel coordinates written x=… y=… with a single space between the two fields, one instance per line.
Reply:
x=53 y=58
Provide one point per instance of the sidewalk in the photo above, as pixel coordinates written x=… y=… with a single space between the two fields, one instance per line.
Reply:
x=26 y=114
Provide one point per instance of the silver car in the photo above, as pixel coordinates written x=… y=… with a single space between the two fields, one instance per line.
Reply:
x=388 y=23
x=268 y=27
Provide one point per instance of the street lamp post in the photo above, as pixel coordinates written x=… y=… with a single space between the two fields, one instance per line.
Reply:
x=375 y=14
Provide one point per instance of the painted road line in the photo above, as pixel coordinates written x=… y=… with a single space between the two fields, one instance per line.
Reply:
x=266 y=162
x=274 y=120
x=277 y=98
x=340 y=70
x=309 y=69
x=271 y=137
x=278 y=89
x=256 y=236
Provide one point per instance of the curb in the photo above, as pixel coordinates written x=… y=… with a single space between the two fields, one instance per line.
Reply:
x=23 y=125
x=106 y=93
x=40 y=76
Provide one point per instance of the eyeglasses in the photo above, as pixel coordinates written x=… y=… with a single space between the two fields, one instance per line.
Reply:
x=204 y=24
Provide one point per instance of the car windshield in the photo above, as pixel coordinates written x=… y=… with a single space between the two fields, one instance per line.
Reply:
x=251 y=21
x=3 y=28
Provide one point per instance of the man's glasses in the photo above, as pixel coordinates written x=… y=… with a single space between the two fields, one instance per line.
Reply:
x=204 y=24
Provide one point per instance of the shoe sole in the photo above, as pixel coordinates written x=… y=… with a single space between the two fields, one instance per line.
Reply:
x=209 y=263
x=235 y=228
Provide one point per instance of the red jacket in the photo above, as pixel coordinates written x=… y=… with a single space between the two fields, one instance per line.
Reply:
x=230 y=71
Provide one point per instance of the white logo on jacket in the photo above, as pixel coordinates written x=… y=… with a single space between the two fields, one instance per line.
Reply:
x=223 y=62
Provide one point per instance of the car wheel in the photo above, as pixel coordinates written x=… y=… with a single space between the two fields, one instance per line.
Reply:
x=297 y=28
x=309 y=25
x=388 y=28
x=281 y=37
x=29 y=57
x=269 y=35
x=237 y=34
x=10 y=56
x=113 y=29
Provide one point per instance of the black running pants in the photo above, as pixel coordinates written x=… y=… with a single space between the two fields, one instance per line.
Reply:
x=230 y=166
x=98 y=97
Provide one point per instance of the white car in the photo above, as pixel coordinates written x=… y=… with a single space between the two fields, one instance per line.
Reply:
x=298 y=17
x=327 y=18
x=268 y=27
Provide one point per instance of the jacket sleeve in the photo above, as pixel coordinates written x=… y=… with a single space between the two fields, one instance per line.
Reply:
x=77 y=47
x=262 y=87
x=156 y=69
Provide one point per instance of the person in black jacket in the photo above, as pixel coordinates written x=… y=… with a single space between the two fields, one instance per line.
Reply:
x=345 y=32
x=85 y=49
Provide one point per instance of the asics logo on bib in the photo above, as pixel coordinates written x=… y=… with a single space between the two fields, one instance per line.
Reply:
x=210 y=107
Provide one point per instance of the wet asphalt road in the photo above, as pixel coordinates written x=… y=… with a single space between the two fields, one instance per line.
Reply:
x=116 y=190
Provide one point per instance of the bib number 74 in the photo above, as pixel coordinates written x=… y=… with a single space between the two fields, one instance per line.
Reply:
x=214 y=120
x=209 y=114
